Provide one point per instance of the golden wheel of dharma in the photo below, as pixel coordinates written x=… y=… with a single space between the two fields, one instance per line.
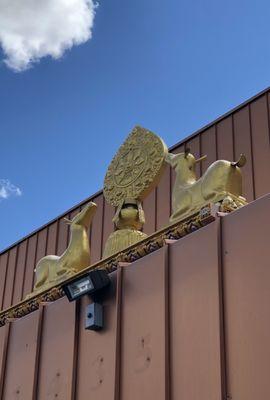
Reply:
x=136 y=167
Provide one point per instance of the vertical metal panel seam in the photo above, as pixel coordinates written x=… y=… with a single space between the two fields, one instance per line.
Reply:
x=4 y=359
x=233 y=138
x=46 y=247
x=118 y=341
x=4 y=288
x=69 y=230
x=47 y=238
x=4 y=278
x=114 y=227
x=170 y=190
x=102 y=226
x=34 y=261
x=90 y=241
x=216 y=141
x=78 y=307
x=38 y=236
x=223 y=358
x=14 y=276
x=57 y=236
x=268 y=115
x=200 y=150
x=167 y=324
x=38 y=350
x=39 y=332
x=24 y=267
x=90 y=235
x=155 y=215
x=68 y=216
x=251 y=150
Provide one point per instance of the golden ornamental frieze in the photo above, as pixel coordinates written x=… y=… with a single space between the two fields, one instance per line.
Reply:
x=128 y=255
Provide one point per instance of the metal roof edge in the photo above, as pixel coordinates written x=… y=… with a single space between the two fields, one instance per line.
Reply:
x=223 y=116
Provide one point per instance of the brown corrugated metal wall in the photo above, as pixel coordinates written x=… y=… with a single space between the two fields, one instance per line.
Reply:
x=179 y=324
x=56 y=358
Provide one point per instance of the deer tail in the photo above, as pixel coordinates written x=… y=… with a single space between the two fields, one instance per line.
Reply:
x=241 y=161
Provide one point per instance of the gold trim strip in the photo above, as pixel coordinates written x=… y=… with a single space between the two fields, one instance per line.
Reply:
x=146 y=246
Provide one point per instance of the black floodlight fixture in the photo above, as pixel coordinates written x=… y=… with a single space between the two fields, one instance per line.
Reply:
x=90 y=283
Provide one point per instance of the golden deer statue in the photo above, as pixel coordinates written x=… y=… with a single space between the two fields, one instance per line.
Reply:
x=221 y=182
x=51 y=269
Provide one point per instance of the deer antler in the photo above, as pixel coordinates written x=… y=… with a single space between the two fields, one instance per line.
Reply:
x=201 y=159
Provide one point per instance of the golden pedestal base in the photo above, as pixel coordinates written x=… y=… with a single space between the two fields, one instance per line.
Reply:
x=121 y=239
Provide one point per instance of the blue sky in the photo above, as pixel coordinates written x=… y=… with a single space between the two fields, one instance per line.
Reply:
x=169 y=66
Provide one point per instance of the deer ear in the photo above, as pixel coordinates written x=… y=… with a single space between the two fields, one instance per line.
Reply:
x=187 y=152
x=172 y=159
x=169 y=157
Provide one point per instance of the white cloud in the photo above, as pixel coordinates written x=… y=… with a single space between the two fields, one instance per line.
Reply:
x=7 y=189
x=32 y=29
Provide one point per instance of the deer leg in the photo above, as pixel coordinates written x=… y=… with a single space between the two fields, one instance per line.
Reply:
x=42 y=274
x=64 y=269
x=181 y=206
x=61 y=270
